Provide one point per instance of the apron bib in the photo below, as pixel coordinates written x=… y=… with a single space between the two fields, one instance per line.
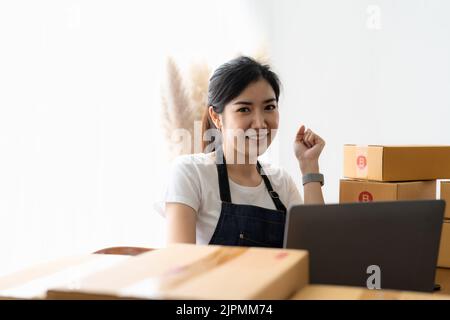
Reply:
x=248 y=225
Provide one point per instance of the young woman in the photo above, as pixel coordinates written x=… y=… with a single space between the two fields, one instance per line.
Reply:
x=226 y=196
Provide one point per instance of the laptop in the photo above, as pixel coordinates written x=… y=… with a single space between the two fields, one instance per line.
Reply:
x=377 y=245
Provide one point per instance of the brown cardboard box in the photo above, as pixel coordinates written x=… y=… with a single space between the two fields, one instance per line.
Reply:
x=198 y=272
x=445 y=195
x=443 y=279
x=367 y=191
x=33 y=282
x=326 y=292
x=397 y=163
x=444 y=250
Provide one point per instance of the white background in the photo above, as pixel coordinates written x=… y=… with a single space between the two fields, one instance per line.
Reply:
x=81 y=149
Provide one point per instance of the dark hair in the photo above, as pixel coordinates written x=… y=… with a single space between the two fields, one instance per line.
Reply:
x=229 y=80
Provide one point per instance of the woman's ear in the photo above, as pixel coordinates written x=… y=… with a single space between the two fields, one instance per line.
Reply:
x=215 y=117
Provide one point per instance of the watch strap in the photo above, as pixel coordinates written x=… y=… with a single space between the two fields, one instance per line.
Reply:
x=313 y=177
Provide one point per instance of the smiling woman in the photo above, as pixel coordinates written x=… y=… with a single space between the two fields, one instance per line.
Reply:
x=226 y=196
x=251 y=99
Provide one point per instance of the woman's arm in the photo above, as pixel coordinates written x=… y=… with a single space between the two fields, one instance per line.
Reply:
x=181 y=220
x=313 y=193
x=312 y=190
x=307 y=148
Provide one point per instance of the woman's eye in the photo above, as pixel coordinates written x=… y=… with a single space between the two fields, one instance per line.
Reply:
x=271 y=107
x=245 y=109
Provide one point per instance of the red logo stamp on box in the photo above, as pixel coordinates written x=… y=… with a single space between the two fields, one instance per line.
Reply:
x=281 y=255
x=365 y=196
x=361 y=162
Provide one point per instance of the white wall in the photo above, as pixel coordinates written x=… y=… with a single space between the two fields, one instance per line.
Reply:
x=81 y=154
x=356 y=71
x=81 y=149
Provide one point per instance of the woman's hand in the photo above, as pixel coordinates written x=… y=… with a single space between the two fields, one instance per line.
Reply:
x=308 y=147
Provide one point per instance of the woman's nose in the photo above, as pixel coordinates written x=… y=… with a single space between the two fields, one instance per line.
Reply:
x=259 y=121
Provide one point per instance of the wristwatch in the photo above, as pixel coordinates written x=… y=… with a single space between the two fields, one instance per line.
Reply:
x=313 y=177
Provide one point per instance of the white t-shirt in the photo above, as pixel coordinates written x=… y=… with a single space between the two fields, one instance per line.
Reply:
x=193 y=181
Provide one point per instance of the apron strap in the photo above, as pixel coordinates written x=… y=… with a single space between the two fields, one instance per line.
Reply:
x=275 y=197
x=224 y=186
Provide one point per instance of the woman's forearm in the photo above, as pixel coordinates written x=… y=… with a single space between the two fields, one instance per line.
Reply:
x=313 y=193
x=312 y=190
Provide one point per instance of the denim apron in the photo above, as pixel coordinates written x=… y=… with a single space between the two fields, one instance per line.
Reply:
x=248 y=225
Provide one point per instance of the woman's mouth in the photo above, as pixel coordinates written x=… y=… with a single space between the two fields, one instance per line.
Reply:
x=256 y=137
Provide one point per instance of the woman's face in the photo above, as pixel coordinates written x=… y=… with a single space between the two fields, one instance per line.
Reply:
x=249 y=122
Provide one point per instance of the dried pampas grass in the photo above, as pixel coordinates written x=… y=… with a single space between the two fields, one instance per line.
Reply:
x=183 y=107
x=262 y=55
x=200 y=74
x=176 y=113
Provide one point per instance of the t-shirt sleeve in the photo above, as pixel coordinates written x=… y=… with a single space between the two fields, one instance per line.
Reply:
x=183 y=185
x=294 y=196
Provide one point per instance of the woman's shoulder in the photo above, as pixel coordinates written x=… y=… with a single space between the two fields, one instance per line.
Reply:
x=194 y=162
x=195 y=168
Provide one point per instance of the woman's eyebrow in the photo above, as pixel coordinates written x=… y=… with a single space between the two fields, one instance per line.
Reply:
x=249 y=103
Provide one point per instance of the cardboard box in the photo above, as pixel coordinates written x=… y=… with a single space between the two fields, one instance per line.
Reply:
x=396 y=163
x=443 y=279
x=325 y=292
x=445 y=195
x=185 y=271
x=444 y=250
x=368 y=191
x=33 y=282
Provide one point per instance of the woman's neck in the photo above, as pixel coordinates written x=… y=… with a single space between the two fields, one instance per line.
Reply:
x=241 y=169
x=247 y=171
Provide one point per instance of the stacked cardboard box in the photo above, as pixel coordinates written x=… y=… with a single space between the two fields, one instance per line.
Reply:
x=445 y=195
x=368 y=191
x=444 y=251
x=397 y=163
x=177 y=272
x=185 y=271
x=33 y=282
x=391 y=173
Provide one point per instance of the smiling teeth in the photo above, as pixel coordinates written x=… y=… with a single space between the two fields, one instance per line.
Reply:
x=253 y=137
